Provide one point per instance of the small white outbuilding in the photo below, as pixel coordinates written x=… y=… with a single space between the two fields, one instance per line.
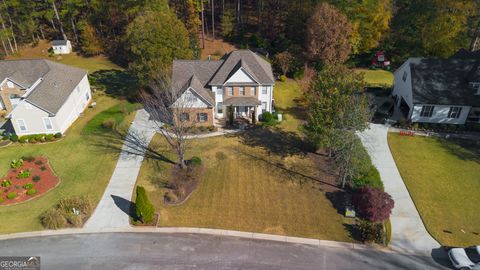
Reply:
x=62 y=46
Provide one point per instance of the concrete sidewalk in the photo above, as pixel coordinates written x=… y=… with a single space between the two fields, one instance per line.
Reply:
x=408 y=231
x=112 y=209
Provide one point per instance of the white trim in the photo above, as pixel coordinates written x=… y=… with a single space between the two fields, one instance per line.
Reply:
x=24 y=124
x=200 y=96
x=246 y=72
x=29 y=90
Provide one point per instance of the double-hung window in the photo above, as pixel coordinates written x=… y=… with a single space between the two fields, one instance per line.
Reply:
x=427 y=111
x=241 y=91
x=21 y=125
x=184 y=117
x=254 y=91
x=454 y=112
x=230 y=91
x=219 y=107
x=47 y=123
x=202 y=117
x=264 y=90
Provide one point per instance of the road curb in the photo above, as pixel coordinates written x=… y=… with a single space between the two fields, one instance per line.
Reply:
x=205 y=231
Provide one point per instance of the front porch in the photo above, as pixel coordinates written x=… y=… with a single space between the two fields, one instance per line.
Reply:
x=241 y=109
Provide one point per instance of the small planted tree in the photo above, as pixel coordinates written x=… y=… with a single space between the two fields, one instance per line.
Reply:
x=373 y=204
x=145 y=209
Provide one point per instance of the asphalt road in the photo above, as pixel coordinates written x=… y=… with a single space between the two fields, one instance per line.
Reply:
x=188 y=251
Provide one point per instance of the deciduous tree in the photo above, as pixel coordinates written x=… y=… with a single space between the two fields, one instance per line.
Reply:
x=373 y=204
x=155 y=39
x=328 y=35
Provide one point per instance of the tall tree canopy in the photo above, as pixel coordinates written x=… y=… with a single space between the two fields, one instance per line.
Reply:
x=370 y=20
x=155 y=39
x=328 y=35
x=431 y=27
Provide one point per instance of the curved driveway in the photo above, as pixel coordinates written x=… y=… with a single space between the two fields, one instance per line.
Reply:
x=408 y=232
x=187 y=251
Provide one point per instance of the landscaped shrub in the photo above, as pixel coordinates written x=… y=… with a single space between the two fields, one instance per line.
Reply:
x=144 y=208
x=267 y=117
x=28 y=186
x=31 y=192
x=58 y=135
x=53 y=219
x=283 y=78
x=28 y=158
x=371 y=232
x=43 y=168
x=80 y=203
x=195 y=161
x=74 y=220
x=23 y=174
x=12 y=195
x=170 y=197
x=6 y=183
x=36 y=178
x=371 y=178
x=50 y=137
x=373 y=204
x=109 y=123
x=39 y=162
x=16 y=163
x=14 y=138
x=23 y=139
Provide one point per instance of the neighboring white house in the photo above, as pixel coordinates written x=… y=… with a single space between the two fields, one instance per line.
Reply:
x=438 y=90
x=62 y=46
x=42 y=96
x=241 y=80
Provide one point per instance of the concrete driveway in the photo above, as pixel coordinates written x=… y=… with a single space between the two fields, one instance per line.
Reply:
x=408 y=231
x=187 y=251
x=114 y=207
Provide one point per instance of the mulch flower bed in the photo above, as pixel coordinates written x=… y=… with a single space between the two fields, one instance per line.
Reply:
x=32 y=179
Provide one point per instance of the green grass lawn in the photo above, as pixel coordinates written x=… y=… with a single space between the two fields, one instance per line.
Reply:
x=91 y=64
x=82 y=162
x=245 y=189
x=288 y=99
x=443 y=179
x=378 y=77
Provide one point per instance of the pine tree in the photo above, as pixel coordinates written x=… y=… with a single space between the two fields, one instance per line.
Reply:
x=144 y=208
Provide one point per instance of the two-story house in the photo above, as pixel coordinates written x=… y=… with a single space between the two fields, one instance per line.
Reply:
x=241 y=81
x=42 y=96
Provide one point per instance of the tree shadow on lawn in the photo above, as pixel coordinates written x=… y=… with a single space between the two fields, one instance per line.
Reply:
x=298 y=111
x=128 y=207
x=276 y=141
x=299 y=176
x=116 y=83
x=133 y=145
x=464 y=149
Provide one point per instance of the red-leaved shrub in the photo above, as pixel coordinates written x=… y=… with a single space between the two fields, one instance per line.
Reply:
x=373 y=204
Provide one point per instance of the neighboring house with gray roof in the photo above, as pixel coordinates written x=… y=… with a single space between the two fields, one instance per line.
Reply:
x=241 y=80
x=42 y=96
x=443 y=91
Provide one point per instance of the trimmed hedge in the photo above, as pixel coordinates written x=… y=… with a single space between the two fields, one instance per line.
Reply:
x=35 y=138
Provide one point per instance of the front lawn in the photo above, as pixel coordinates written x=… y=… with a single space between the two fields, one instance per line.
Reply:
x=83 y=163
x=260 y=181
x=443 y=178
x=377 y=78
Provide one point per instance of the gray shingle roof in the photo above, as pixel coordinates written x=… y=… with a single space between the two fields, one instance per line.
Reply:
x=241 y=101
x=444 y=81
x=200 y=74
x=257 y=67
x=195 y=74
x=58 y=80
x=60 y=42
